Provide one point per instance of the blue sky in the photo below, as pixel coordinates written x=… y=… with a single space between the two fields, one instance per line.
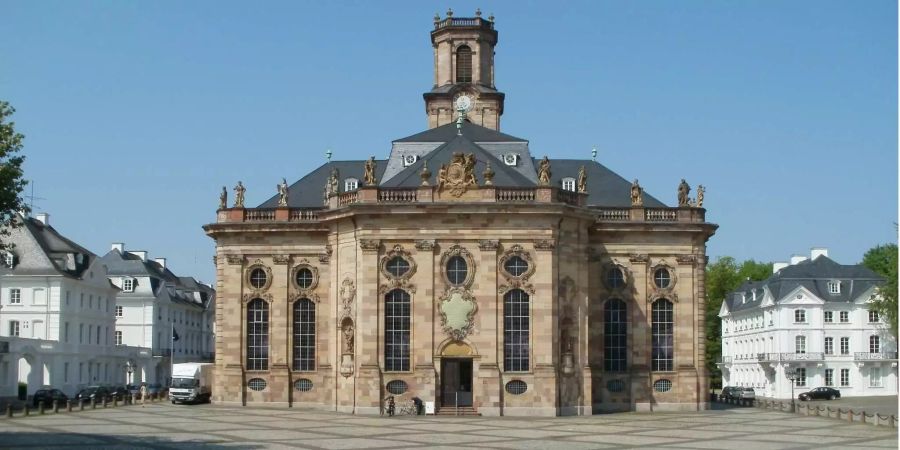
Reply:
x=136 y=113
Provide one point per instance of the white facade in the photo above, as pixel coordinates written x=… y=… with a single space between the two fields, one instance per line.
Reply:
x=57 y=312
x=826 y=341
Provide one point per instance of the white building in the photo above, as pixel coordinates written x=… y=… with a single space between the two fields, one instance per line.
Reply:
x=152 y=302
x=811 y=317
x=57 y=310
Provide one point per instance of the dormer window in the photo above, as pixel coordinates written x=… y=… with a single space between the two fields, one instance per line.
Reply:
x=834 y=287
x=409 y=160
x=9 y=258
x=351 y=184
x=128 y=284
x=568 y=184
x=511 y=159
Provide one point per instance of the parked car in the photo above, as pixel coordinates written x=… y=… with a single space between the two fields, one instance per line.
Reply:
x=737 y=393
x=97 y=393
x=820 y=393
x=119 y=391
x=47 y=395
x=134 y=389
x=154 y=390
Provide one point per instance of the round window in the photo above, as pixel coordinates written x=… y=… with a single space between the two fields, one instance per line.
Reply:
x=662 y=385
x=397 y=387
x=457 y=270
x=256 y=384
x=258 y=278
x=516 y=266
x=661 y=278
x=615 y=278
x=303 y=385
x=397 y=266
x=304 y=278
x=615 y=386
x=516 y=387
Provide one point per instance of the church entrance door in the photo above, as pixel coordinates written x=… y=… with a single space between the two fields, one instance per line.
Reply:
x=456 y=382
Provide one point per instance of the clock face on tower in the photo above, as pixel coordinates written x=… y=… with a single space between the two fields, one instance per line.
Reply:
x=464 y=102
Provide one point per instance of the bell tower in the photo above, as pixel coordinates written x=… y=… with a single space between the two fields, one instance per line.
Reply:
x=464 y=66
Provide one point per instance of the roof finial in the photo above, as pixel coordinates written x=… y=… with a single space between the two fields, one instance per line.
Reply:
x=437 y=18
x=449 y=12
x=491 y=17
x=594 y=153
x=459 y=118
x=477 y=12
x=328 y=154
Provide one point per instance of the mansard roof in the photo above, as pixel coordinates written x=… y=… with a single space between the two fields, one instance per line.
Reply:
x=812 y=275
x=475 y=133
x=131 y=265
x=41 y=250
x=308 y=191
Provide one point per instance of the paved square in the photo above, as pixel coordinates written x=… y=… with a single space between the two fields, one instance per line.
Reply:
x=164 y=426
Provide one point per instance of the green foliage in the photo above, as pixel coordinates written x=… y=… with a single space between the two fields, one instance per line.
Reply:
x=722 y=277
x=11 y=182
x=883 y=261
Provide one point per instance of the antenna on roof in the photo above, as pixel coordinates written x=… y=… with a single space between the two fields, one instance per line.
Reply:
x=31 y=198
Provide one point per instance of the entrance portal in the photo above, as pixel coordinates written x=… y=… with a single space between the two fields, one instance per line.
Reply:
x=456 y=382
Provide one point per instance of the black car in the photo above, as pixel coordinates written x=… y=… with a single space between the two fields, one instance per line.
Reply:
x=97 y=393
x=737 y=393
x=820 y=393
x=46 y=396
x=120 y=392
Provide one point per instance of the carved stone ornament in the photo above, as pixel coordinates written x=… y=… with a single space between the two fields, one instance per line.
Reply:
x=639 y=258
x=516 y=282
x=456 y=250
x=281 y=259
x=348 y=295
x=566 y=289
x=234 y=260
x=258 y=264
x=425 y=244
x=304 y=264
x=627 y=276
x=489 y=245
x=459 y=175
x=246 y=298
x=685 y=259
x=369 y=245
x=325 y=257
x=544 y=244
x=401 y=281
x=664 y=293
x=457 y=307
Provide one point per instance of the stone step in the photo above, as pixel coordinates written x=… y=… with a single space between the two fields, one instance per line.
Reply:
x=462 y=411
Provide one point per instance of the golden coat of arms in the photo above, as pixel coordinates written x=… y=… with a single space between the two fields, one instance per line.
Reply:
x=459 y=175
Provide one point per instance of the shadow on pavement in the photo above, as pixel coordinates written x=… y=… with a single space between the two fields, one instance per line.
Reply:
x=49 y=440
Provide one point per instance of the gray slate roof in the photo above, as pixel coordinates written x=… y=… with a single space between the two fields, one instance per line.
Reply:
x=475 y=133
x=813 y=275
x=308 y=191
x=41 y=250
x=131 y=265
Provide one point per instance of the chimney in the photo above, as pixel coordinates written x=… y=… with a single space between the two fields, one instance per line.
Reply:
x=140 y=254
x=44 y=218
x=797 y=259
x=816 y=252
x=120 y=246
x=161 y=262
x=778 y=266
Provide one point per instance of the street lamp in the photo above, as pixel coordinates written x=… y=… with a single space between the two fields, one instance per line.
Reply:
x=791 y=374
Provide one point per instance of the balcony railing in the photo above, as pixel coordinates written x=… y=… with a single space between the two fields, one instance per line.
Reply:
x=660 y=215
x=464 y=22
x=256 y=215
x=515 y=195
x=773 y=357
x=865 y=356
x=397 y=195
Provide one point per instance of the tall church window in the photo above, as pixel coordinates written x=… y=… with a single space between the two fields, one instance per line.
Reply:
x=515 y=331
x=396 y=331
x=304 y=335
x=464 y=64
x=663 y=327
x=257 y=335
x=615 y=323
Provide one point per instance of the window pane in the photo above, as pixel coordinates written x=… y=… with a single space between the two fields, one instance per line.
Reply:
x=662 y=335
x=304 y=335
x=457 y=270
x=515 y=331
x=615 y=330
x=463 y=64
x=396 y=331
x=257 y=335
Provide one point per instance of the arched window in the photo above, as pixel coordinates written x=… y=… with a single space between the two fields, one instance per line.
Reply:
x=663 y=335
x=304 y=335
x=464 y=64
x=396 y=331
x=257 y=335
x=874 y=344
x=457 y=270
x=615 y=323
x=515 y=331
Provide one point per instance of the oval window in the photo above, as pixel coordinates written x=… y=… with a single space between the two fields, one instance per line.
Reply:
x=615 y=386
x=397 y=266
x=457 y=270
x=516 y=266
x=516 y=387
x=303 y=385
x=397 y=387
x=615 y=278
x=662 y=385
x=258 y=278
x=304 y=278
x=256 y=384
x=661 y=278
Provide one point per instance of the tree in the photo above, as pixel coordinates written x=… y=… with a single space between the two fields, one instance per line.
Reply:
x=722 y=277
x=883 y=261
x=11 y=182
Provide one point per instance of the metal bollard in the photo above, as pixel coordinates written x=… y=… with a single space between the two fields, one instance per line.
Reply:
x=69 y=406
x=115 y=401
x=81 y=404
x=8 y=411
x=133 y=398
x=850 y=415
x=55 y=406
x=104 y=402
x=93 y=403
x=41 y=408
x=26 y=411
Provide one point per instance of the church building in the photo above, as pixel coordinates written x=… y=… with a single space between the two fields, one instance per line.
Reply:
x=465 y=270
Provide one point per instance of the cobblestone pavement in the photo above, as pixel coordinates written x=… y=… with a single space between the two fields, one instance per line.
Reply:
x=161 y=426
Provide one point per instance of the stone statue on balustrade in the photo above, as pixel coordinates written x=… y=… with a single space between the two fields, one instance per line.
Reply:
x=637 y=194
x=223 y=198
x=369 y=172
x=683 y=190
x=544 y=172
x=239 y=191
x=283 y=193
x=582 y=180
